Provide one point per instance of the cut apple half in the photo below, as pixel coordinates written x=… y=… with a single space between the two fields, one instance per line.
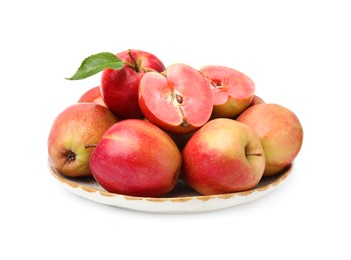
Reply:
x=178 y=100
x=232 y=90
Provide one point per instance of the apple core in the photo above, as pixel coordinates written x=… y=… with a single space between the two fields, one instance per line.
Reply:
x=178 y=100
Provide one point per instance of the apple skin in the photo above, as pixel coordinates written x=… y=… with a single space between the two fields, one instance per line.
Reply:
x=256 y=100
x=280 y=131
x=93 y=95
x=178 y=100
x=119 y=88
x=78 y=125
x=232 y=90
x=136 y=158
x=223 y=156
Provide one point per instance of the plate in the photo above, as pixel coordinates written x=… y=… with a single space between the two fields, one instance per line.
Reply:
x=181 y=200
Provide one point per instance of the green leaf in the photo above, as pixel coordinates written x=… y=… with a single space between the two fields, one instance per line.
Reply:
x=96 y=63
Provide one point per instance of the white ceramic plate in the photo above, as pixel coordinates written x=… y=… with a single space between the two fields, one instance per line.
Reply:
x=182 y=199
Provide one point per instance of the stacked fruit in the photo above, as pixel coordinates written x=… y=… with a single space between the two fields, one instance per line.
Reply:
x=146 y=126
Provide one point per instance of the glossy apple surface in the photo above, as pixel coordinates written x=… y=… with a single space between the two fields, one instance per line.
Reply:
x=135 y=157
x=223 y=156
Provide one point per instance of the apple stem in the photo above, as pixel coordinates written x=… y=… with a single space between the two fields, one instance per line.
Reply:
x=149 y=70
x=129 y=64
x=135 y=66
x=86 y=146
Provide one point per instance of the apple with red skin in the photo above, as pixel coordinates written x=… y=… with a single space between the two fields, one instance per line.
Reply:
x=135 y=157
x=75 y=127
x=179 y=100
x=93 y=95
x=223 y=156
x=232 y=90
x=280 y=132
x=119 y=88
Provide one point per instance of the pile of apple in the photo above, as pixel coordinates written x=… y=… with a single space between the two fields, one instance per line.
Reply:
x=146 y=126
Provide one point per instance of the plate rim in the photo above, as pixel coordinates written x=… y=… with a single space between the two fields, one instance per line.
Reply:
x=276 y=182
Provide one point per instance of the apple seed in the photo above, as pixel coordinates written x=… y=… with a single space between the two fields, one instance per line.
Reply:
x=179 y=99
x=216 y=84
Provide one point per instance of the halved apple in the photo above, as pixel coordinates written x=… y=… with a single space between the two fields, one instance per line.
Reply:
x=178 y=100
x=232 y=90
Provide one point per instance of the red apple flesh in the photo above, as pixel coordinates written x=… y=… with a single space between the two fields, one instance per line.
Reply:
x=280 y=132
x=232 y=90
x=78 y=125
x=223 y=156
x=93 y=95
x=119 y=88
x=135 y=157
x=178 y=100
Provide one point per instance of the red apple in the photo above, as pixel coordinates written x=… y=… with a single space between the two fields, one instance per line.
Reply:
x=223 y=156
x=78 y=125
x=120 y=87
x=178 y=100
x=232 y=90
x=280 y=132
x=93 y=95
x=135 y=157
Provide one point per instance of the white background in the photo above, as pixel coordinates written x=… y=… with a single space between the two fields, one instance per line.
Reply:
x=297 y=52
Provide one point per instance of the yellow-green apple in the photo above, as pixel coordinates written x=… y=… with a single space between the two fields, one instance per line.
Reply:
x=280 y=132
x=223 y=156
x=75 y=127
x=179 y=100
x=119 y=88
x=232 y=90
x=93 y=95
x=135 y=157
